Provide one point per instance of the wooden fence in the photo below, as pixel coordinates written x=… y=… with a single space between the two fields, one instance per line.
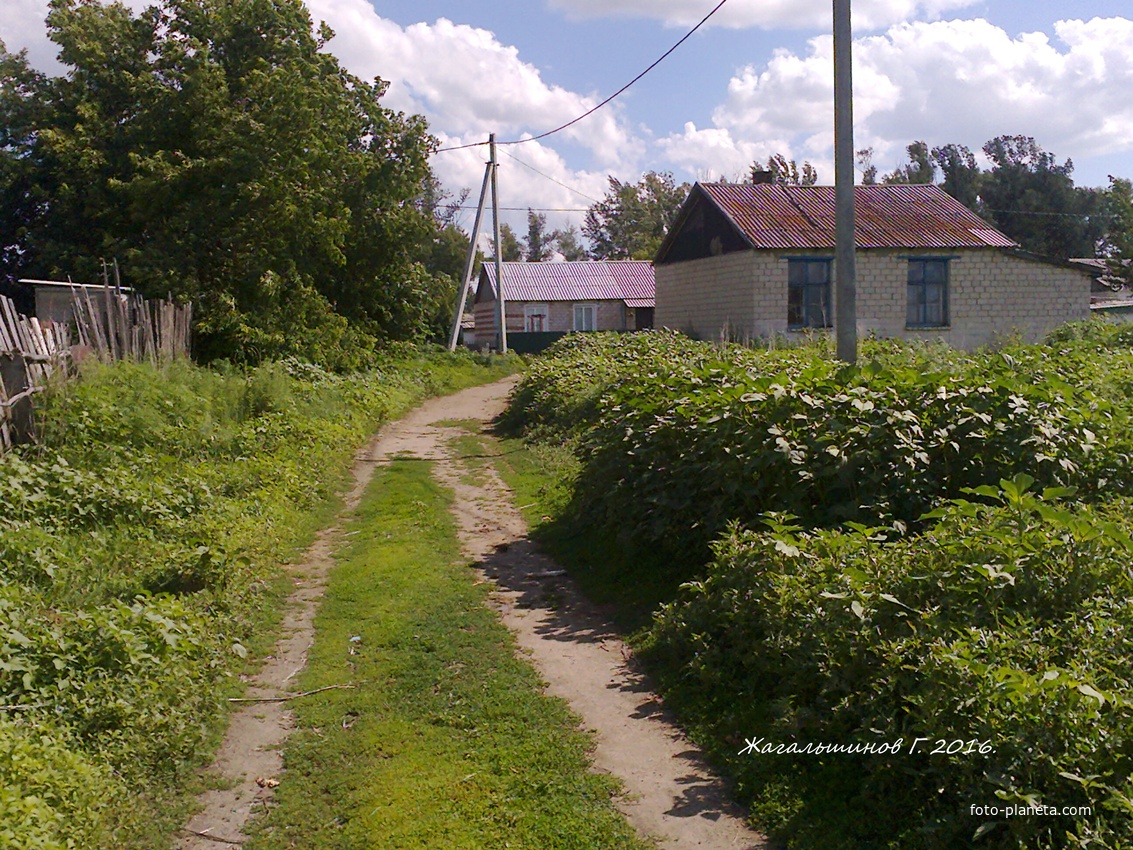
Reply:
x=118 y=326
x=110 y=325
x=29 y=354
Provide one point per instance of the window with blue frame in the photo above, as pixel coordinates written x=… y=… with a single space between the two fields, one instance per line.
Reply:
x=808 y=294
x=927 y=305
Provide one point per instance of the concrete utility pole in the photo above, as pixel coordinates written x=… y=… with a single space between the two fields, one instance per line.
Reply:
x=501 y=307
x=845 y=271
x=470 y=261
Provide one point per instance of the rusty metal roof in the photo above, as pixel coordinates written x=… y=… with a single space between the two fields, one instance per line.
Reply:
x=918 y=216
x=604 y=280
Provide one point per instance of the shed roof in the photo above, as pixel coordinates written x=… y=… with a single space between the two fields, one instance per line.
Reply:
x=772 y=216
x=604 y=280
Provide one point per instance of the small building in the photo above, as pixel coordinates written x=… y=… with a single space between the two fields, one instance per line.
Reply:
x=746 y=261
x=54 y=299
x=544 y=301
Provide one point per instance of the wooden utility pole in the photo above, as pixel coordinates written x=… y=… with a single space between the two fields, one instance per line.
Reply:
x=470 y=261
x=845 y=271
x=501 y=307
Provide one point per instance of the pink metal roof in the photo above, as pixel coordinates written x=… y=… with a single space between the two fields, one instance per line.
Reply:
x=920 y=216
x=605 y=280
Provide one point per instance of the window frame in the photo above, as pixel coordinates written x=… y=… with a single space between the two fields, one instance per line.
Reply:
x=824 y=320
x=530 y=312
x=923 y=286
x=584 y=306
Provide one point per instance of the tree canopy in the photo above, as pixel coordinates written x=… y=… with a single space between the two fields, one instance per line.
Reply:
x=220 y=156
x=783 y=171
x=1026 y=192
x=1117 y=244
x=540 y=243
x=632 y=219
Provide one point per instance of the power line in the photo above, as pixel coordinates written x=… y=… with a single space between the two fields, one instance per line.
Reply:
x=549 y=177
x=534 y=209
x=620 y=91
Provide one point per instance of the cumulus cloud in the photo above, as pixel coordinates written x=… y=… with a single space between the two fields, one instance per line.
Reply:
x=945 y=81
x=481 y=86
x=768 y=14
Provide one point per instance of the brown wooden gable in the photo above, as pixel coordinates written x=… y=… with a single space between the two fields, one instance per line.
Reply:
x=701 y=230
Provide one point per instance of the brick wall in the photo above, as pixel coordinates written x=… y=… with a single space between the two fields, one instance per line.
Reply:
x=993 y=295
x=703 y=297
x=611 y=316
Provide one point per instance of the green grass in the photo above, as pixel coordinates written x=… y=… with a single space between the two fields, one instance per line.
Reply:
x=141 y=547
x=446 y=740
x=608 y=572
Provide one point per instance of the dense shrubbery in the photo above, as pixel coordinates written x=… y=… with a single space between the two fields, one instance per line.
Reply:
x=1006 y=625
x=678 y=443
x=880 y=605
x=559 y=395
x=138 y=545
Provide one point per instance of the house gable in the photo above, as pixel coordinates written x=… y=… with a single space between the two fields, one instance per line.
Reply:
x=701 y=230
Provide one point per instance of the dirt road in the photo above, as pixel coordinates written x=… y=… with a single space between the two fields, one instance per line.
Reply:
x=671 y=796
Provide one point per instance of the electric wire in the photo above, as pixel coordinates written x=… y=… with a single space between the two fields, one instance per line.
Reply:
x=549 y=177
x=590 y=112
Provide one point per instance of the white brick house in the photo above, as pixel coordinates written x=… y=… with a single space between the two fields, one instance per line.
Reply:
x=757 y=261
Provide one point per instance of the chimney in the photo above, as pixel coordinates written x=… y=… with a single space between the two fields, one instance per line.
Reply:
x=762 y=176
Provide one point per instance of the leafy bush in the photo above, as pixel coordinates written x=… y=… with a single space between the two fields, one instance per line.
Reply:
x=898 y=593
x=678 y=439
x=1006 y=627
x=559 y=394
x=51 y=798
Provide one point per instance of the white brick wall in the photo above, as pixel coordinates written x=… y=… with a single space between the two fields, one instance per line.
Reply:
x=993 y=295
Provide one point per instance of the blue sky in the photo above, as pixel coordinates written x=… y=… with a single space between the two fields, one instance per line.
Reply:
x=756 y=81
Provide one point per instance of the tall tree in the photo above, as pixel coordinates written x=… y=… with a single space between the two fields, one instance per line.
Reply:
x=1117 y=246
x=632 y=219
x=569 y=244
x=961 y=174
x=784 y=172
x=864 y=160
x=919 y=169
x=539 y=245
x=1032 y=198
x=222 y=155
x=511 y=248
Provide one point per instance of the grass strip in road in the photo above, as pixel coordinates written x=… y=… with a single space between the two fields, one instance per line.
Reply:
x=447 y=739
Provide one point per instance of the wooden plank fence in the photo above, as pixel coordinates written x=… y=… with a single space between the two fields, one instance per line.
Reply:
x=111 y=325
x=118 y=326
x=29 y=354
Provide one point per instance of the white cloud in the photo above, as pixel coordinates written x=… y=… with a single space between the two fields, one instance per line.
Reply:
x=768 y=14
x=465 y=81
x=948 y=81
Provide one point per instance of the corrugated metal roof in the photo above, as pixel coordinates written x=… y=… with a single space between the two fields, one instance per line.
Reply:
x=919 y=216
x=605 y=280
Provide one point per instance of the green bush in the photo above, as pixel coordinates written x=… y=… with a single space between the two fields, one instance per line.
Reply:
x=51 y=798
x=559 y=394
x=1007 y=624
x=678 y=439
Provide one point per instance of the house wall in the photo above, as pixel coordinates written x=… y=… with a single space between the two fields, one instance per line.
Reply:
x=611 y=316
x=703 y=297
x=992 y=295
